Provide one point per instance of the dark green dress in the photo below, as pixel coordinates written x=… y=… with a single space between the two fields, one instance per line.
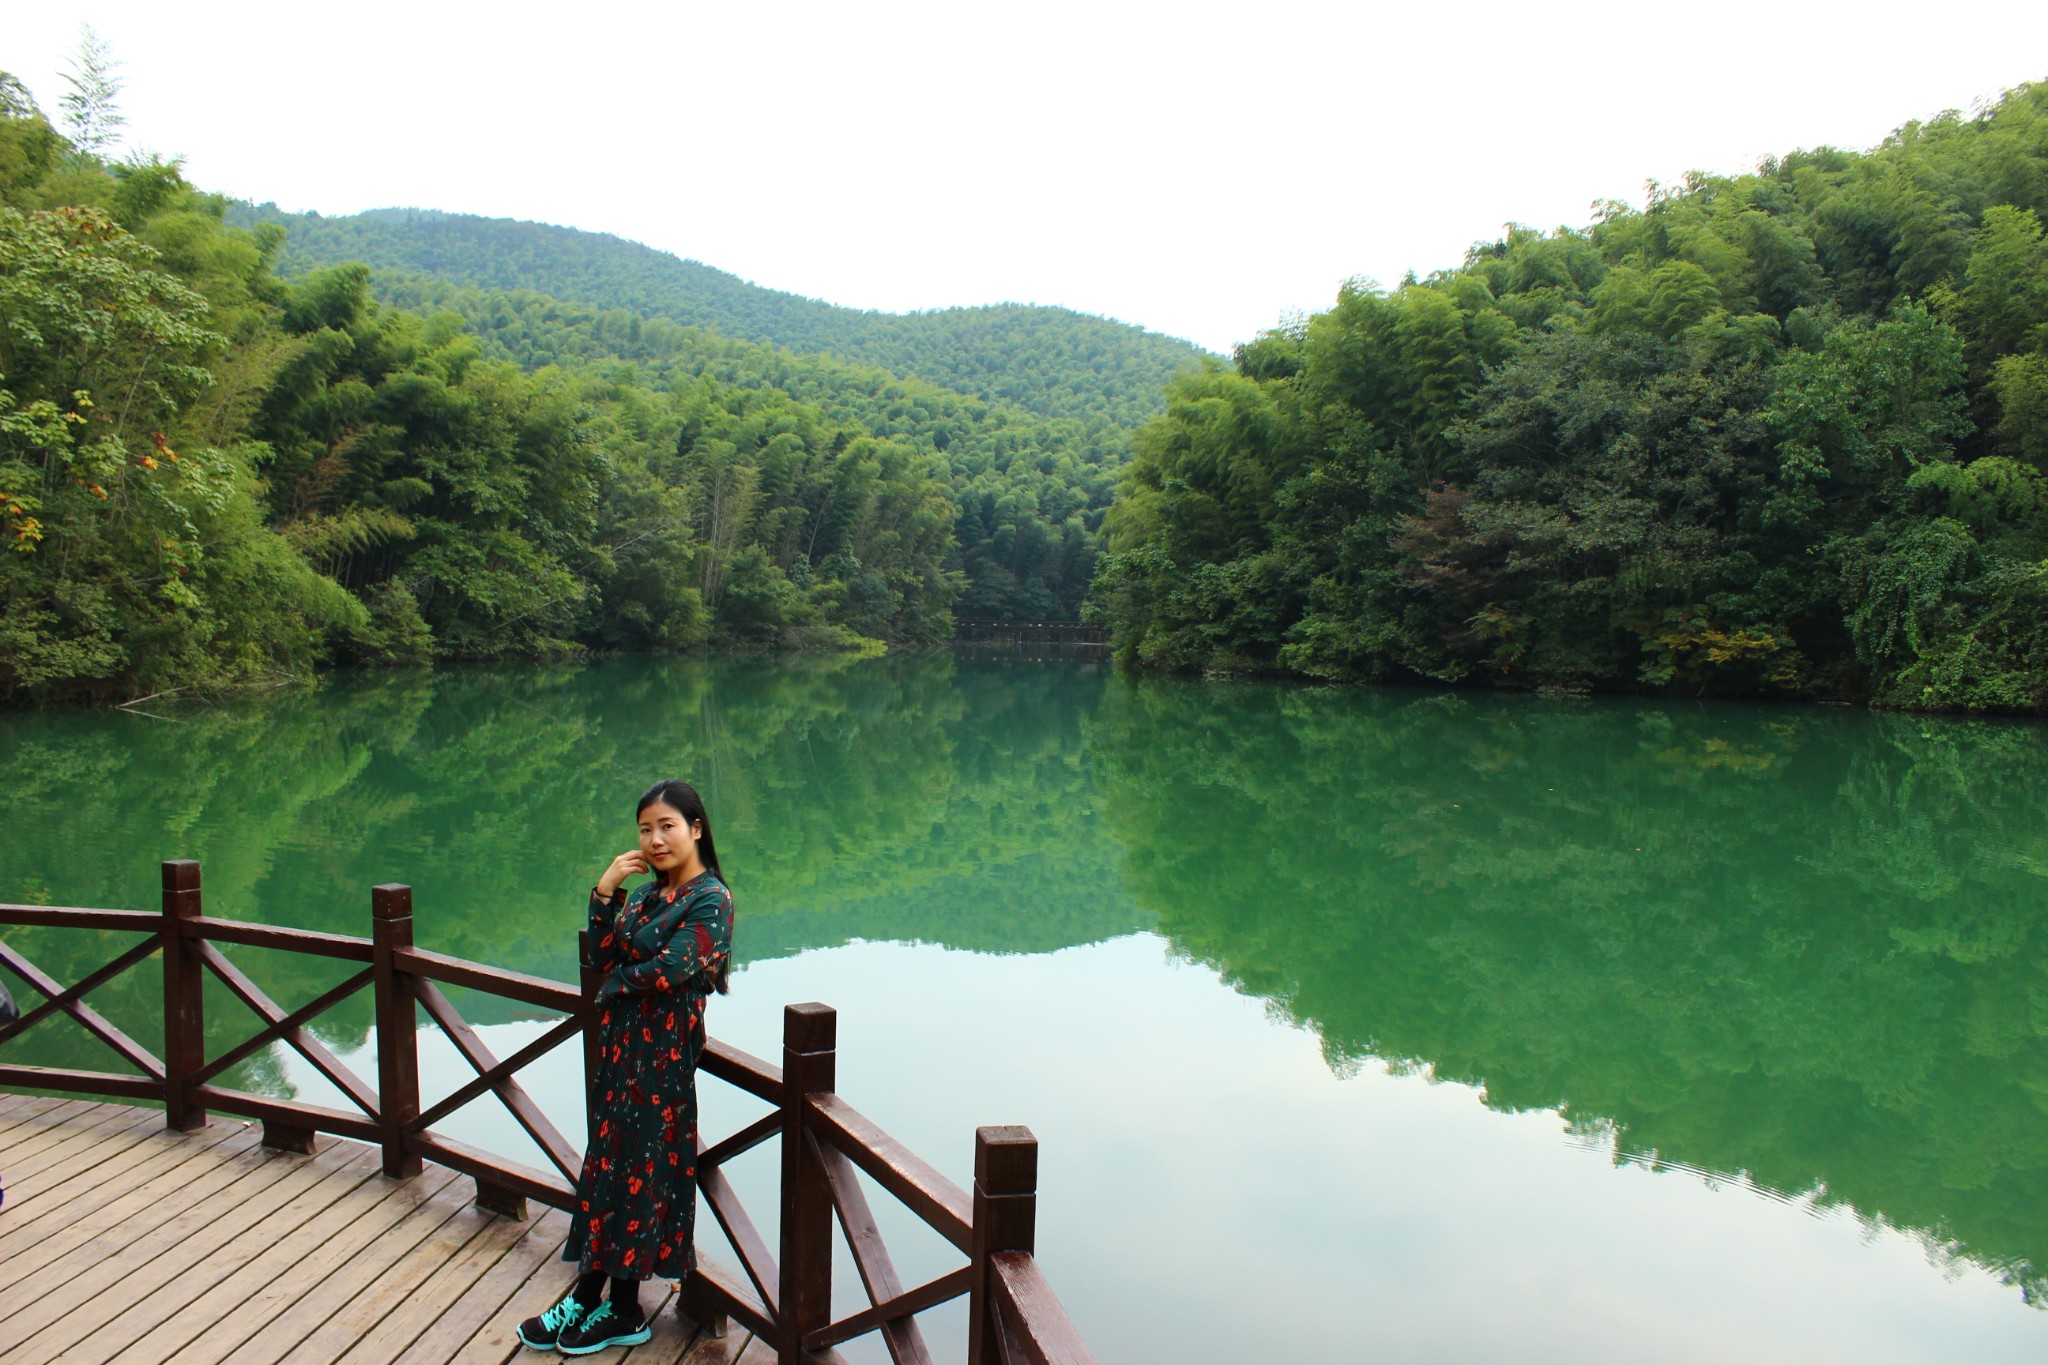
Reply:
x=661 y=951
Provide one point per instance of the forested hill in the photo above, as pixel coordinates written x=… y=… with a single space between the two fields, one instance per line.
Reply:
x=211 y=476
x=1783 y=432
x=1052 y=362
x=1029 y=492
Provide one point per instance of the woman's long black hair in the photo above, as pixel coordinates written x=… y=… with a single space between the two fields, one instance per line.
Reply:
x=682 y=798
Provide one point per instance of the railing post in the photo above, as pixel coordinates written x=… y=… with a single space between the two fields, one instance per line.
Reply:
x=184 y=998
x=810 y=1038
x=398 y=1044
x=1005 y=1219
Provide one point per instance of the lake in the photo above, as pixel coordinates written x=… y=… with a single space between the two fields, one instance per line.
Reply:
x=1354 y=1024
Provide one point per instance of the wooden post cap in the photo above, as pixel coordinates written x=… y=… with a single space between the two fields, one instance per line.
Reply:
x=810 y=1027
x=392 y=900
x=181 y=874
x=1005 y=1159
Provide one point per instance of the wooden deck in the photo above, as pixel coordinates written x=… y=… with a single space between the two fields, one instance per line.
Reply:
x=121 y=1241
x=125 y=1242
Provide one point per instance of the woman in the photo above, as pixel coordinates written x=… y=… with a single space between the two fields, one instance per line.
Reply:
x=663 y=950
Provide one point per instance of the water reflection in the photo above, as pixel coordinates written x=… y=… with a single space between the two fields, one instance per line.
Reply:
x=1798 y=944
x=898 y=798
x=1802 y=945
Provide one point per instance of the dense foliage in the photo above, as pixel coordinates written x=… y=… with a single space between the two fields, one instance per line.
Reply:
x=136 y=550
x=1029 y=493
x=213 y=476
x=1781 y=432
x=1051 y=362
x=1775 y=433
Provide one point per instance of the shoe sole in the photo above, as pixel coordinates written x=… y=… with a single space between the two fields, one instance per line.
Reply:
x=531 y=1345
x=622 y=1339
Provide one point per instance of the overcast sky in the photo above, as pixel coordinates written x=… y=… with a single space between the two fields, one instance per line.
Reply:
x=1199 y=169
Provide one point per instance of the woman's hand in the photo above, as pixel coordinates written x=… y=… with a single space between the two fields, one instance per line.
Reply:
x=630 y=864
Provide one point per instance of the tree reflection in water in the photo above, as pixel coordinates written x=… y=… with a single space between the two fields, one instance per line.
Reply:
x=1803 y=945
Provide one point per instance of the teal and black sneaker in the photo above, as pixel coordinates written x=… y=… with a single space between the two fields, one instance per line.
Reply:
x=604 y=1327
x=542 y=1333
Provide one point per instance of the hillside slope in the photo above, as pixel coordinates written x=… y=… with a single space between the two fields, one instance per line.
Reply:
x=1052 y=362
x=1030 y=492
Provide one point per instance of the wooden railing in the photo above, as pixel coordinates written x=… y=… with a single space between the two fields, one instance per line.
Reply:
x=782 y=1295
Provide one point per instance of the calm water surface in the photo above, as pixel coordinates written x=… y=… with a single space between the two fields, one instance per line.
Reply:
x=1392 y=1025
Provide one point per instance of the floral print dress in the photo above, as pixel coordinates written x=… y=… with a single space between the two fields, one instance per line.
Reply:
x=661 y=950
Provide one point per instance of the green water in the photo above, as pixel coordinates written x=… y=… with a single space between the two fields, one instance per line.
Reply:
x=1356 y=1024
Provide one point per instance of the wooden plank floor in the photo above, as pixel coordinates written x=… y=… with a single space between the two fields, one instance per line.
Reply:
x=121 y=1241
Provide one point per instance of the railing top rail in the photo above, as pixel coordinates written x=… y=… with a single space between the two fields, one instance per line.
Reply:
x=758 y=1078
x=81 y=917
x=284 y=938
x=897 y=1169
x=1043 y=1328
x=247 y=932
x=459 y=971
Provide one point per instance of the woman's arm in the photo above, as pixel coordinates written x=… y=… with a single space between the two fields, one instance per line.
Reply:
x=605 y=949
x=695 y=936
x=607 y=898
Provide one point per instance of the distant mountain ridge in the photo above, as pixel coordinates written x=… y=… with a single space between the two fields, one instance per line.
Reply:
x=1052 y=362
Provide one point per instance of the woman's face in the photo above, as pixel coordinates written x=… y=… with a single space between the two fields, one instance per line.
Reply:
x=667 y=840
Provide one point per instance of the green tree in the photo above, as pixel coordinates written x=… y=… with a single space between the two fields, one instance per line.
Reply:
x=91 y=111
x=133 y=564
x=1776 y=432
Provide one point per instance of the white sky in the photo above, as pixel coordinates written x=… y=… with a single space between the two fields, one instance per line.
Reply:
x=1200 y=169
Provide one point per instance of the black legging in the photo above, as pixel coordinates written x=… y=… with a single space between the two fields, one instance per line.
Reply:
x=625 y=1292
